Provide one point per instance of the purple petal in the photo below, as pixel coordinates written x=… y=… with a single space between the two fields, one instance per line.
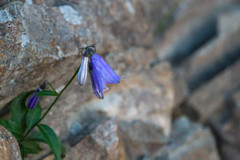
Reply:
x=98 y=84
x=32 y=101
x=108 y=74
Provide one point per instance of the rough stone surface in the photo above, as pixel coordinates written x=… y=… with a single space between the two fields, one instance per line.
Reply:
x=211 y=96
x=230 y=17
x=200 y=21
x=119 y=140
x=142 y=138
x=9 y=149
x=105 y=142
x=189 y=141
x=35 y=36
x=128 y=100
x=218 y=53
x=131 y=101
x=181 y=91
x=226 y=125
x=40 y=40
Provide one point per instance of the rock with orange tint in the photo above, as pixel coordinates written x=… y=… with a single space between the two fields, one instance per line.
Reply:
x=105 y=142
x=9 y=149
x=141 y=138
x=36 y=35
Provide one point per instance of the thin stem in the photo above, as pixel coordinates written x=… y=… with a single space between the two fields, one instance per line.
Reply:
x=52 y=87
x=50 y=107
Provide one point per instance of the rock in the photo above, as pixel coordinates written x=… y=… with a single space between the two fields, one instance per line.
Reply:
x=127 y=101
x=50 y=157
x=113 y=140
x=208 y=99
x=229 y=17
x=105 y=142
x=221 y=52
x=200 y=20
x=44 y=35
x=130 y=101
x=141 y=138
x=189 y=141
x=181 y=91
x=9 y=149
x=226 y=126
x=40 y=40
x=236 y=98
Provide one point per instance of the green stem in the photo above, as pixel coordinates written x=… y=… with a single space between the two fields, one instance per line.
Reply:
x=50 y=107
x=52 y=87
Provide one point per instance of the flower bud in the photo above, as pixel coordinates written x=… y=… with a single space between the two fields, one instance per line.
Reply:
x=33 y=100
x=82 y=73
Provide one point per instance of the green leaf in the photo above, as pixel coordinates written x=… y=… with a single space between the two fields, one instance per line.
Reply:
x=37 y=136
x=63 y=151
x=30 y=147
x=22 y=151
x=33 y=116
x=52 y=87
x=47 y=93
x=11 y=126
x=19 y=110
x=52 y=140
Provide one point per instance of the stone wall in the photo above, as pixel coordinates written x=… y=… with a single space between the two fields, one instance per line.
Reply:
x=180 y=59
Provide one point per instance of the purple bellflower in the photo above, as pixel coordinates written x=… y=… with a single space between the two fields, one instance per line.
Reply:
x=101 y=74
x=33 y=100
x=82 y=73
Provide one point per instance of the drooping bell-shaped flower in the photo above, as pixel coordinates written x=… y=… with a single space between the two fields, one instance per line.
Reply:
x=101 y=74
x=82 y=73
x=33 y=100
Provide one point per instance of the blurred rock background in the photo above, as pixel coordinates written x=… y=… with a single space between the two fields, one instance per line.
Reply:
x=181 y=96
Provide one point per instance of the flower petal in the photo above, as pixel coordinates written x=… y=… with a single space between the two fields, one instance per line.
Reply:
x=98 y=84
x=32 y=101
x=82 y=73
x=109 y=75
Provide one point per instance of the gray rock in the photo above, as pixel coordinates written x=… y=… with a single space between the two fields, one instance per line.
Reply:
x=35 y=37
x=141 y=138
x=226 y=125
x=210 y=98
x=189 y=141
x=131 y=102
x=229 y=21
x=216 y=55
x=200 y=20
x=105 y=142
x=113 y=140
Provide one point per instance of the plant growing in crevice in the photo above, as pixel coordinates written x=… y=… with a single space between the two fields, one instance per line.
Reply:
x=26 y=118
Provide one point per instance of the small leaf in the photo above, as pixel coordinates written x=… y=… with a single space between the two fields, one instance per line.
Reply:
x=13 y=128
x=30 y=147
x=52 y=87
x=33 y=116
x=37 y=136
x=47 y=93
x=52 y=140
x=19 y=110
